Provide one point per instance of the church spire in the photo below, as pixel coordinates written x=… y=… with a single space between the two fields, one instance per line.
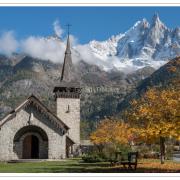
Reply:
x=69 y=85
x=67 y=70
x=68 y=48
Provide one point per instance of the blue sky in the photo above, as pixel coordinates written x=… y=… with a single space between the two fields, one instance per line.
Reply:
x=87 y=22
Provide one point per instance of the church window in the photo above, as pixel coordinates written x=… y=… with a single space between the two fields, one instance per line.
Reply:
x=68 y=109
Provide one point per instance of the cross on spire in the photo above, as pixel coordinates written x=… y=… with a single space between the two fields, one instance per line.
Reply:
x=68 y=27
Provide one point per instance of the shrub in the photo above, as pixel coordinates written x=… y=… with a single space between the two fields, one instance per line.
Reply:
x=92 y=158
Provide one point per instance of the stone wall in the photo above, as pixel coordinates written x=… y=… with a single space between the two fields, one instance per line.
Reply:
x=56 y=141
x=68 y=110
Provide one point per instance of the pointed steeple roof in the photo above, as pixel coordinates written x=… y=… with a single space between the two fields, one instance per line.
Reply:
x=69 y=86
x=68 y=46
x=67 y=70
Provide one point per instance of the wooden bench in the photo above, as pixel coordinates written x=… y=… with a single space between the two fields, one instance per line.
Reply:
x=116 y=160
x=131 y=163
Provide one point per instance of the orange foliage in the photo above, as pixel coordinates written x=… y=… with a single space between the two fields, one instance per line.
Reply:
x=153 y=166
x=156 y=114
x=172 y=69
x=112 y=132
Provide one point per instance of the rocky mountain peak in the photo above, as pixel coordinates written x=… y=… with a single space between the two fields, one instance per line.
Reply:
x=137 y=28
x=155 y=18
x=156 y=22
x=144 y=44
x=145 y=23
x=156 y=32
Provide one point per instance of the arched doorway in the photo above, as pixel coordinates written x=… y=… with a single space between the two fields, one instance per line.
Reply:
x=31 y=142
x=31 y=147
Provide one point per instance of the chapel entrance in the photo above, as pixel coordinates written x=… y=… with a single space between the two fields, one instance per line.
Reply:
x=31 y=142
x=31 y=147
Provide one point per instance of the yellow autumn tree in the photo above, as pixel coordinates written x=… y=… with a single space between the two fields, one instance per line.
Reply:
x=112 y=132
x=156 y=116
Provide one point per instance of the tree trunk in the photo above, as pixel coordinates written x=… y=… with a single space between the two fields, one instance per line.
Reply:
x=162 y=149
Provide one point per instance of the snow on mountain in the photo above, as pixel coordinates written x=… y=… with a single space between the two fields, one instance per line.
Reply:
x=145 y=44
x=105 y=48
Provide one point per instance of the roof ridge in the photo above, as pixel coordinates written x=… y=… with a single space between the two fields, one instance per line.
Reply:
x=9 y=115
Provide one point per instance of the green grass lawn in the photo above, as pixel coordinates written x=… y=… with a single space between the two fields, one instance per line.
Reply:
x=77 y=166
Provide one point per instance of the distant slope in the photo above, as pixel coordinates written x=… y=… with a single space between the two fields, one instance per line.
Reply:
x=101 y=89
x=167 y=75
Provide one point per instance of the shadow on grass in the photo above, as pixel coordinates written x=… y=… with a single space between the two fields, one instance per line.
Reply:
x=103 y=170
x=99 y=168
x=77 y=166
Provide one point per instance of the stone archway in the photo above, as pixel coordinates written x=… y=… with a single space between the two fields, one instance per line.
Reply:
x=31 y=142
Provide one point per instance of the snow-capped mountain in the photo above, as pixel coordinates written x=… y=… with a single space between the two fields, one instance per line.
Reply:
x=105 y=48
x=145 y=44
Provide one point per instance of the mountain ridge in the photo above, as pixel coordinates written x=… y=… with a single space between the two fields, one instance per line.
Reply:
x=165 y=76
x=34 y=76
x=144 y=44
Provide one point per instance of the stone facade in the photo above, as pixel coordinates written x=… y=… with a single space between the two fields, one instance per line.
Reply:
x=68 y=110
x=10 y=148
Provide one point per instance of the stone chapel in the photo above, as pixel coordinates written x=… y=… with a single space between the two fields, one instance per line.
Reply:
x=32 y=131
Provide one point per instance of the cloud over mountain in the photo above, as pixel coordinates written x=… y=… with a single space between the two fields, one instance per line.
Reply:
x=144 y=44
x=44 y=48
x=8 y=43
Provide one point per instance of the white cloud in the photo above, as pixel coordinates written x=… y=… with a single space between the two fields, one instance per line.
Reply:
x=48 y=48
x=53 y=49
x=57 y=28
x=88 y=56
x=106 y=63
x=8 y=43
x=43 y=48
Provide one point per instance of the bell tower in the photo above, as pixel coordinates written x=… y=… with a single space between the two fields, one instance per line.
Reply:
x=67 y=95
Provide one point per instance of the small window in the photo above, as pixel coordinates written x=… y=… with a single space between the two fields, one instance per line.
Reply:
x=68 y=109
